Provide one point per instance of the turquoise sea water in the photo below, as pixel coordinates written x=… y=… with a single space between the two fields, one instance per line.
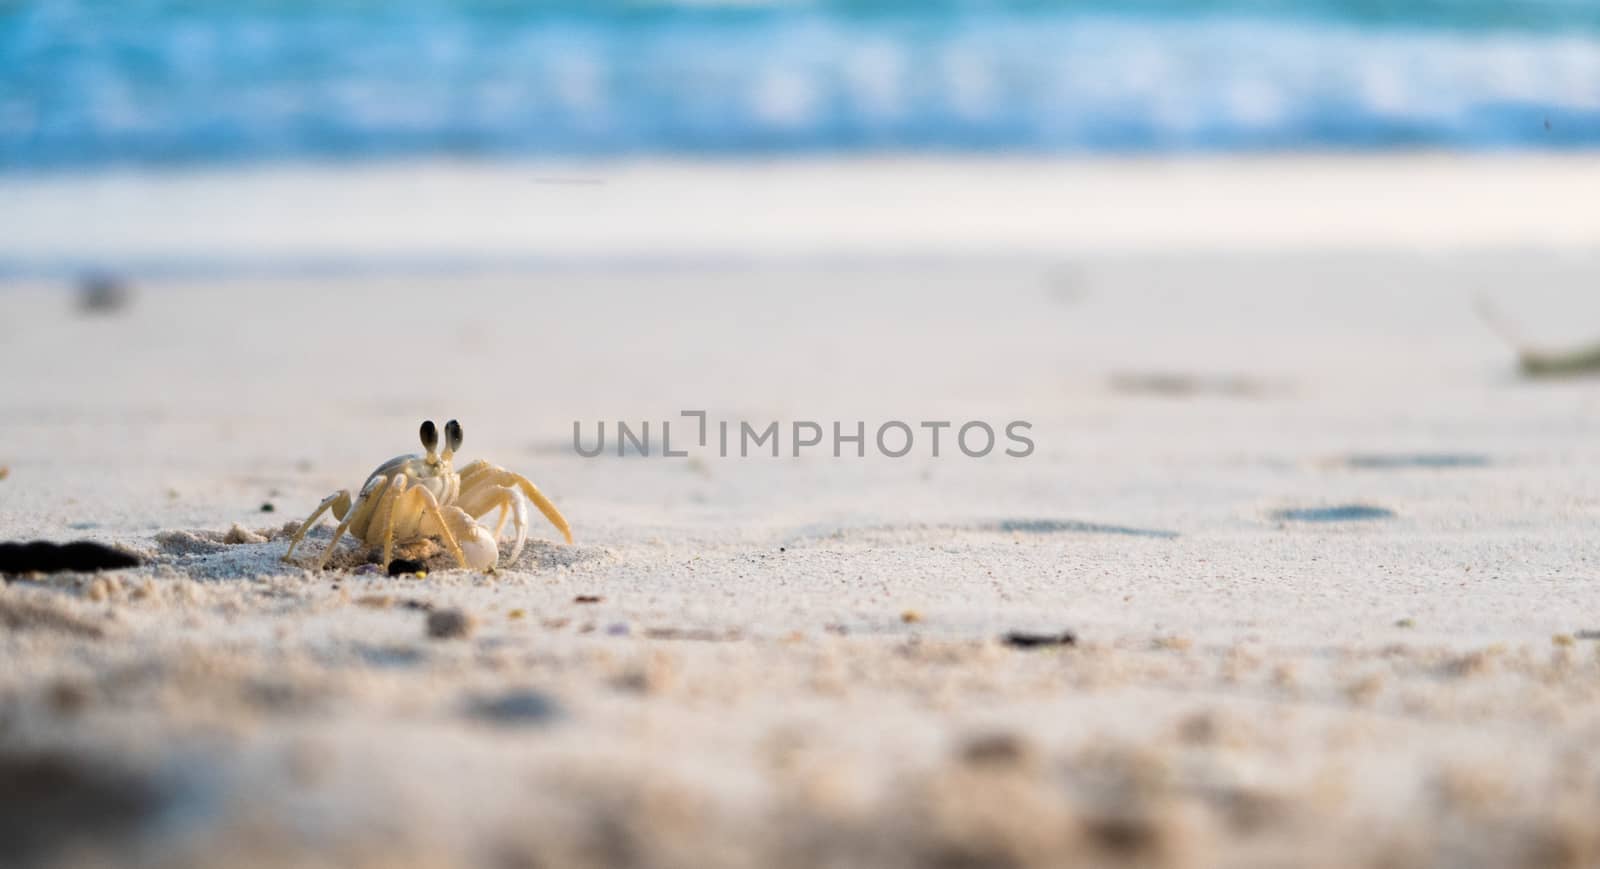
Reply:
x=94 y=82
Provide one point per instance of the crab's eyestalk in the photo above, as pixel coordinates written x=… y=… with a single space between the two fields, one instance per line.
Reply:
x=452 y=437
x=430 y=437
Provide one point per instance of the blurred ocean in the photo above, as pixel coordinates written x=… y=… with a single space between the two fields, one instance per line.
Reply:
x=94 y=82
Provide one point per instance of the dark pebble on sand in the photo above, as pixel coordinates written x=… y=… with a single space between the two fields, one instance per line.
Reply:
x=1341 y=513
x=995 y=750
x=267 y=507
x=588 y=598
x=1026 y=640
x=402 y=566
x=83 y=556
x=1401 y=461
x=450 y=624
x=102 y=293
x=515 y=707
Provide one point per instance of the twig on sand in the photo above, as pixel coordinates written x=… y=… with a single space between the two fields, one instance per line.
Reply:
x=1537 y=362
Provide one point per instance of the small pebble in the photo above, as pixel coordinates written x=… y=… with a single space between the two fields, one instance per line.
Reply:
x=5 y=471
x=588 y=598
x=516 y=614
x=267 y=507
x=911 y=617
x=102 y=293
x=995 y=750
x=1025 y=640
x=620 y=629
x=1405 y=623
x=450 y=624
x=401 y=566
x=516 y=707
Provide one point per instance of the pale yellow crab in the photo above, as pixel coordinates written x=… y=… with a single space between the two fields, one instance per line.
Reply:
x=409 y=498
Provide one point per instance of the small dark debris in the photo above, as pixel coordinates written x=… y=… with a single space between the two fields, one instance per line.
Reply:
x=45 y=557
x=1072 y=526
x=1026 y=640
x=390 y=656
x=1341 y=513
x=995 y=750
x=1400 y=461
x=103 y=293
x=694 y=634
x=782 y=549
x=1183 y=385
x=588 y=598
x=1558 y=363
x=384 y=601
x=267 y=507
x=1124 y=836
x=515 y=708
x=450 y=624
x=402 y=566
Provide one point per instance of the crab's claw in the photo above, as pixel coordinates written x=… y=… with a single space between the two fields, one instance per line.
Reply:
x=478 y=546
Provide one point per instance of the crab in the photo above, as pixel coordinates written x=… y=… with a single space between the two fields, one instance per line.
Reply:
x=411 y=498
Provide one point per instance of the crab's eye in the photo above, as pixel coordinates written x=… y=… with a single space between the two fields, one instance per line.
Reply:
x=452 y=435
x=430 y=436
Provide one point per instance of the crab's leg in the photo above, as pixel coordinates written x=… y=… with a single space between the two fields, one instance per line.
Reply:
x=338 y=502
x=470 y=477
x=479 y=495
x=385 y=515
x=480 y=476
x=362 y=507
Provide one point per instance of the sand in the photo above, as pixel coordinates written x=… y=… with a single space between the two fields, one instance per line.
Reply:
x=1327 y=562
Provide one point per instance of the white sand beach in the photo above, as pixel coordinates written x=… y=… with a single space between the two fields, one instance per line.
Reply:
x=1329 y=562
